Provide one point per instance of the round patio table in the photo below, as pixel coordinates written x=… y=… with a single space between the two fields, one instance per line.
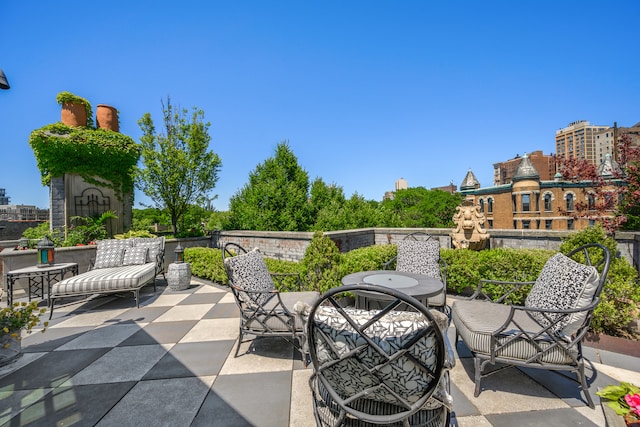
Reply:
x=419 y=286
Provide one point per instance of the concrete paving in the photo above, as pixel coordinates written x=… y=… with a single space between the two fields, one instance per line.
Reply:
x=171 y=363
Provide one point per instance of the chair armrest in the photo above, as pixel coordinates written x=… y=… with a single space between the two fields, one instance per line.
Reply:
x=387 y=265
x=513 y=286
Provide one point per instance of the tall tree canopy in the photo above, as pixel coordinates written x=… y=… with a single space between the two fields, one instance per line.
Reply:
x=419 y=207
x=275 y=198
x=179 y=170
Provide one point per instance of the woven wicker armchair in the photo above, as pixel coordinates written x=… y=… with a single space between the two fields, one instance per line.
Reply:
x=420 y=253
x=263 y=310
x=545 y=333
x=379 y=367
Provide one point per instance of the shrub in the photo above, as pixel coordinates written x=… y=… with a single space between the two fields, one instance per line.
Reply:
x=207 y=264
x=134 y=233
x=366 y=259
x=320 y=263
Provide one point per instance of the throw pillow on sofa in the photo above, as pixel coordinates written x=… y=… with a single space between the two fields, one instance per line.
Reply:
x=135 y=255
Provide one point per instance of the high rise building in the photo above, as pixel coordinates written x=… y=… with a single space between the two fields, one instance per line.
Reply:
x=545 y=164
x=578 y=141
x=4 y=200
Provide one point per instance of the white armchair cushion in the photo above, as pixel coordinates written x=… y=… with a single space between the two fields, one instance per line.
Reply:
x=563 y=284
x=109 y=257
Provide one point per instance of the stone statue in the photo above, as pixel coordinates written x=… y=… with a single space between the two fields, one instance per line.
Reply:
x=469 y=232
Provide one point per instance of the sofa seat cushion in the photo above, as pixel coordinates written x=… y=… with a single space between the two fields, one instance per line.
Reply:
x=103 y=280
x=279 y=323
x=475 y=322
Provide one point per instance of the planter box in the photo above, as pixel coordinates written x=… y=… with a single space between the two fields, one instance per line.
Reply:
x=615 y=344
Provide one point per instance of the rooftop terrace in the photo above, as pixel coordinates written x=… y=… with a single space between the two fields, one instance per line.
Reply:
x=170 y=363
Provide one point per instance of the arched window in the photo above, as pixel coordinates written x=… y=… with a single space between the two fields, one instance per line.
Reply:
x=569 y=198
x=591 y=199
x=481 y=205
x=490 y=205
x=547 y=202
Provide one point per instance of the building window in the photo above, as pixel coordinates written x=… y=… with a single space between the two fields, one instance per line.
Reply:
x=526 y=202
x=570 y=224
x=515 y=225
x=490 y=205
x=547 y=202
x=490 y=221
x=592 y=223
x=591 y=201
x=526 y=224
x=481 y=205
x=547 y=224
x=569 y=199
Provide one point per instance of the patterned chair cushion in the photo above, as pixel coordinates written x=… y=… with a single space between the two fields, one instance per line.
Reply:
x=419 y=257
x=135 y=255
x=563 y=284
x=390 y=333
x=249 y=271
x=155 y=245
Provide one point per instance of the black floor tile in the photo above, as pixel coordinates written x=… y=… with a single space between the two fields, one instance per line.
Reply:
x=160 y=333
x=82 y=405
x=546 y=418
x=223 y=311
x=51 y=338
x=51 y=370
x=191 y=359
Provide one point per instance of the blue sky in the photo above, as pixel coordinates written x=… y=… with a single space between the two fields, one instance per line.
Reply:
x=365 y=92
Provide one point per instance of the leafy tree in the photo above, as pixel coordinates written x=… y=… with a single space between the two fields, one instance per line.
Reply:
x=178 y=168
x=275 y=198
x=323 y=196
x=419 y=207
x=145 y=219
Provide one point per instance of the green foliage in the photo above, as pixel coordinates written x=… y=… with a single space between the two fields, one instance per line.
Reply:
x=419 y=207
x=86 y=230
x=206 y=263
x=275 y=198
x=287 y=273
x=90 y=153
x=135 y=233
x=466 y=268
x=145 y=219
x=64 y=97
x=366 y=259
x=178 y=171
x=33 y=234
x=217 y=220
x=614 y=395
x=193 y=222
x=21 y=316
x=320 y=263
x=621 y=294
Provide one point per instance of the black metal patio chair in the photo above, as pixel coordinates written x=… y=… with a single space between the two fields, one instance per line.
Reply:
x=545 y=333
x=419 y=253
x=264 y=311
x=378 y=367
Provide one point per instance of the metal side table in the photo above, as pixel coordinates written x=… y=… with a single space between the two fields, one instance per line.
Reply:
x=38 y=277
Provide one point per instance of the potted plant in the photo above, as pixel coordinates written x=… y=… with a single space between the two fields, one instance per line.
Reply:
x=624 y=399
x=76 y=111
x=13 y=320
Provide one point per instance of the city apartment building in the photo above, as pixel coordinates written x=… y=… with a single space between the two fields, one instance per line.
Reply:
x=578 y=141
x=4 y=200
x=23 y=213
x=545 y=164
x=529 y=202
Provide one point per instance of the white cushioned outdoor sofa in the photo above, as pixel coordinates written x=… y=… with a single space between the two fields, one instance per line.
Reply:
x=121 y=265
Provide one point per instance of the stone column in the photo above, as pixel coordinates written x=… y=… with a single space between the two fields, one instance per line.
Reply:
x=56 y=204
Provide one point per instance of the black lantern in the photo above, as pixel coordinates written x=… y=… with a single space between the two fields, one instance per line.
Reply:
x=179 y=253
x=46 y=252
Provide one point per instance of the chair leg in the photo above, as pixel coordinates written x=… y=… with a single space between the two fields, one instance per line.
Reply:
x=51 y=308
x=239 y=343
x=477 y=364
x=583 y=384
